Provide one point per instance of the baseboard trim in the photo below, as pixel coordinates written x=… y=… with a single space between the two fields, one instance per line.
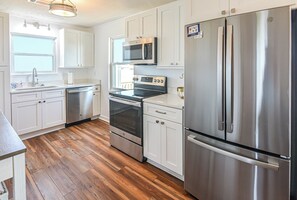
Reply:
x=41 y=132
x=180 y=177
x=104 y=118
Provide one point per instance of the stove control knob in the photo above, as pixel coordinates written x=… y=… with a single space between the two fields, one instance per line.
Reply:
x=162 y=81
x=155 y=80
x=158 y=81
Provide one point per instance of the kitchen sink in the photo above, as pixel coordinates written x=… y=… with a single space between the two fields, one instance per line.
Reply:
x=37 y=87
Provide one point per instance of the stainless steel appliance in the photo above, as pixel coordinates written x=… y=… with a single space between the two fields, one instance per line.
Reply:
x=79 y=104
x=237 y=107
x=140 y=52
x=126 y=114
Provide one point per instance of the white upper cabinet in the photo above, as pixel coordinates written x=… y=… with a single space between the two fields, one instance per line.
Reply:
x=201 y=10
x=76 y=49
x=4 y=39
x=87 y=49
x=141 y=25
x=171 y=35
x=245 y=6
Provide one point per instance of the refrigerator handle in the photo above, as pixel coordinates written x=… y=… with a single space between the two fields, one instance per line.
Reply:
x=221 y=79
x=267 y=165
x=229 y=79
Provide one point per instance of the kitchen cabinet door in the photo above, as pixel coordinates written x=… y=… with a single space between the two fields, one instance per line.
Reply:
x=26 y=117
x=148 y=23
x=4 y=39
x=4 y=92
x=96 y=103
x=172 y=146
x=201 y=10
x=53 y=112
x=70 y=49
x=132 y=27
x=245 y=6
x=87 y=49
x=152 y=138
x=171 y=35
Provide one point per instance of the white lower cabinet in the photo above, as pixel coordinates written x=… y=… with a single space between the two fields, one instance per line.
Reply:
x=96 y=101
x=26 y=117
x=163 y=140
x=31 y=112
x=53 y=112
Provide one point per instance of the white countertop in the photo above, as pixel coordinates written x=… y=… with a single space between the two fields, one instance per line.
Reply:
x=57 y=86
x=169 y=100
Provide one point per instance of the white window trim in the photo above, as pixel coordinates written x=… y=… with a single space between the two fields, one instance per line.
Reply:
x=13 y=72
x=111 y=63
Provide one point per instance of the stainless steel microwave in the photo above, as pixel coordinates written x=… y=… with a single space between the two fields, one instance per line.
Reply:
x=140 y=52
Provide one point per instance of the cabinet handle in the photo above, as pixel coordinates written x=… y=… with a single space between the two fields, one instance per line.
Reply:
x=233 y=10
x=163 y=113
x=157 y=121
x=162 y=123
x=176 y=63
x=172 y=63
x=223 y=12
x=39 y=101
x=44 y=101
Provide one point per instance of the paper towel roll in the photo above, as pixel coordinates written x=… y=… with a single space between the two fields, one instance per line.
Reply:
x=70 y=78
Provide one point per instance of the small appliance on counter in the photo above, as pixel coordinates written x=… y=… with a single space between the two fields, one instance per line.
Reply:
x=70 y=78
x=180 y=92
x=140 y=52
x=126 y=114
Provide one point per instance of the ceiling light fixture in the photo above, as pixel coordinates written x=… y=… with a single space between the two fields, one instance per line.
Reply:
x=64 y=8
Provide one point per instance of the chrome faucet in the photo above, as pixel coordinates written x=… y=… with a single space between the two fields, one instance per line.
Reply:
x=34 y=77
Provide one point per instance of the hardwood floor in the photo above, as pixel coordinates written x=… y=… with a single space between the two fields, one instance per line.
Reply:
x=79 y=163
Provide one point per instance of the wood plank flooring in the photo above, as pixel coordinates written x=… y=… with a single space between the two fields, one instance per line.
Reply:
x=79 y=163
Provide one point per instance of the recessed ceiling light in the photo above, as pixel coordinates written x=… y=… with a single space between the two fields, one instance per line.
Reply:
x=64 y=8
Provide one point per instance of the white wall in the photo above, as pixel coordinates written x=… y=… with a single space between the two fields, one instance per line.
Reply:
x=102 y=35
x=112 y=29
x=17 y=26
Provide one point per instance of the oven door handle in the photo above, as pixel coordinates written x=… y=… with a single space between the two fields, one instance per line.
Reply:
x=126 y=102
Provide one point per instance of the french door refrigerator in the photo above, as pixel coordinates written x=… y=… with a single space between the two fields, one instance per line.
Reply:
x=237 y=107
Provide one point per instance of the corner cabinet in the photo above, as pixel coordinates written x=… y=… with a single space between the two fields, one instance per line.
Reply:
x=141 y=25
x=36 y=111
x=76 y=49
x=200 y=10
x=171 y=35
x=163 y=138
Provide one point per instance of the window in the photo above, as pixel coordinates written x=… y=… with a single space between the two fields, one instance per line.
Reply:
x=33 y=51
x=121 y=74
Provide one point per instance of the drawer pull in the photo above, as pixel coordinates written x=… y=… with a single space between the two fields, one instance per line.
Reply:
x=162 y=123
x=163 y=113
x=157 y=121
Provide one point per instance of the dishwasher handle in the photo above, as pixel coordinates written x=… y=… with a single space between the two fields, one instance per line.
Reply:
x=79 y=90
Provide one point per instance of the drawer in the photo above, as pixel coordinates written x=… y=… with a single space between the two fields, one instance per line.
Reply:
x=163 y=112
x=23 y=97
x=96 y=88
x=6 y=166
x=53 y=94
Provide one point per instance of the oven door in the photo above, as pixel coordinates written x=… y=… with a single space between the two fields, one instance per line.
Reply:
x=126 y=118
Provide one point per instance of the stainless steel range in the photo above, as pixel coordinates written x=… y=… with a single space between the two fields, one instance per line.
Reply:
x=126 y=114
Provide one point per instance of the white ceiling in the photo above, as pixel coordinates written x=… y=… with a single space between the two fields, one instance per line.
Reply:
x=90 y=12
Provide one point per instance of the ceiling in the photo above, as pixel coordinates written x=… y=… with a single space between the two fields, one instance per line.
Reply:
x=90 y=12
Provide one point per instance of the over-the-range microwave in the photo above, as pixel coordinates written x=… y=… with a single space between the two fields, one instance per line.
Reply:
x=142 y=51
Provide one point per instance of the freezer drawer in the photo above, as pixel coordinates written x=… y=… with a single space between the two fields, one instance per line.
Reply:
x=213 y=172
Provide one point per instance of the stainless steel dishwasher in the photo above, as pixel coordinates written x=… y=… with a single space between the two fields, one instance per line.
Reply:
x=79 y=104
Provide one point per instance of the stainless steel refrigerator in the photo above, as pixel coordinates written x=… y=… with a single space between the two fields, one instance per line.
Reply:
x=237 y=107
